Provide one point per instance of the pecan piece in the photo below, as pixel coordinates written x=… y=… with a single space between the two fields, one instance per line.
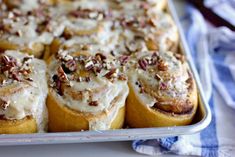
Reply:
x=58 y=84
x=8 y=61
x=4 y=104
x=61 y=74
x=163 y=86
x=157 y=77
x=89 y=65
x=123 y=59
x=93 y=103
x=122 y=77
x=143 y=64
x=87 y=79
x=71 y=65
x=111 y=74
x=180 y=57
x=162 y=66
x=100 y=56
x=15 y=76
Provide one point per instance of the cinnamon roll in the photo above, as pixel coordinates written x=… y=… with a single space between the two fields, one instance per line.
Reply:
x=23 y=91
x=88 y=24
x=25 y=27
x=162 y=91
x=87 y=92
x=152 y=30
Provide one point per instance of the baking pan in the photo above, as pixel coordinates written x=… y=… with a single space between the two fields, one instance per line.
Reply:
x=201 y=120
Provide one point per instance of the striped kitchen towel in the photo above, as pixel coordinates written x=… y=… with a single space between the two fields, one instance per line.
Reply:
x=213 y=50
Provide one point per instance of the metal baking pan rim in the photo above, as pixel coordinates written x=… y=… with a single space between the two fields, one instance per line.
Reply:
x=100 y=136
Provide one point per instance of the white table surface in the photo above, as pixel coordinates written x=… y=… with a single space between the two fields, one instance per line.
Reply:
x=104 y=149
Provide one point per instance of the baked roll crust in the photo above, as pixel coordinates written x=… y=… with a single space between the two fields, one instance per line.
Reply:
x=23 y=91
x=88 y=92
x=26 y=125
x=162 y=91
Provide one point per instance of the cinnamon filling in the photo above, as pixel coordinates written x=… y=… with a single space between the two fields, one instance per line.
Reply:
x=166 y=103
x=176 y=107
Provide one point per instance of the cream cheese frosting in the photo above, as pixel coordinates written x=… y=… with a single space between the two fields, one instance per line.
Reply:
x=23 y=88
x=94 y=85
x=162 y=73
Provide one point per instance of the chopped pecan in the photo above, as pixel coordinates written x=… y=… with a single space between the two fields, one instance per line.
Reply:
x=15 y=75
x=29 y=79
x=26 y=59
x=83 y=13
x=78 y=13
x=111 y=74
x=59 y=87
x=58 y=84
x=71 y=65
x=79 y=79
x=100 y=56
x=162 y=66
x=97 y=69
x=87 y=79
x=163 y=86
x=180 y=57
x=5 y=59
x=93 y=103
x=4 y=104
x=157 y=77
x=61 y=74
x=89 y=65
x=129 y=22
x=122 y=77
x=25 y=71
x=112 y=53
x=8 y=61
x=143 y=64
x=123 y=59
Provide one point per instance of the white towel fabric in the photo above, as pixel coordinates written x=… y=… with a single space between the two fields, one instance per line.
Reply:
x=213 y=50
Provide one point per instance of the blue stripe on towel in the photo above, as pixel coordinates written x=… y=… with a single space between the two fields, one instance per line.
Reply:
x=168 y=142
x=224 y=73
x=137 y=143
x=225 y=76
x=208 y=136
